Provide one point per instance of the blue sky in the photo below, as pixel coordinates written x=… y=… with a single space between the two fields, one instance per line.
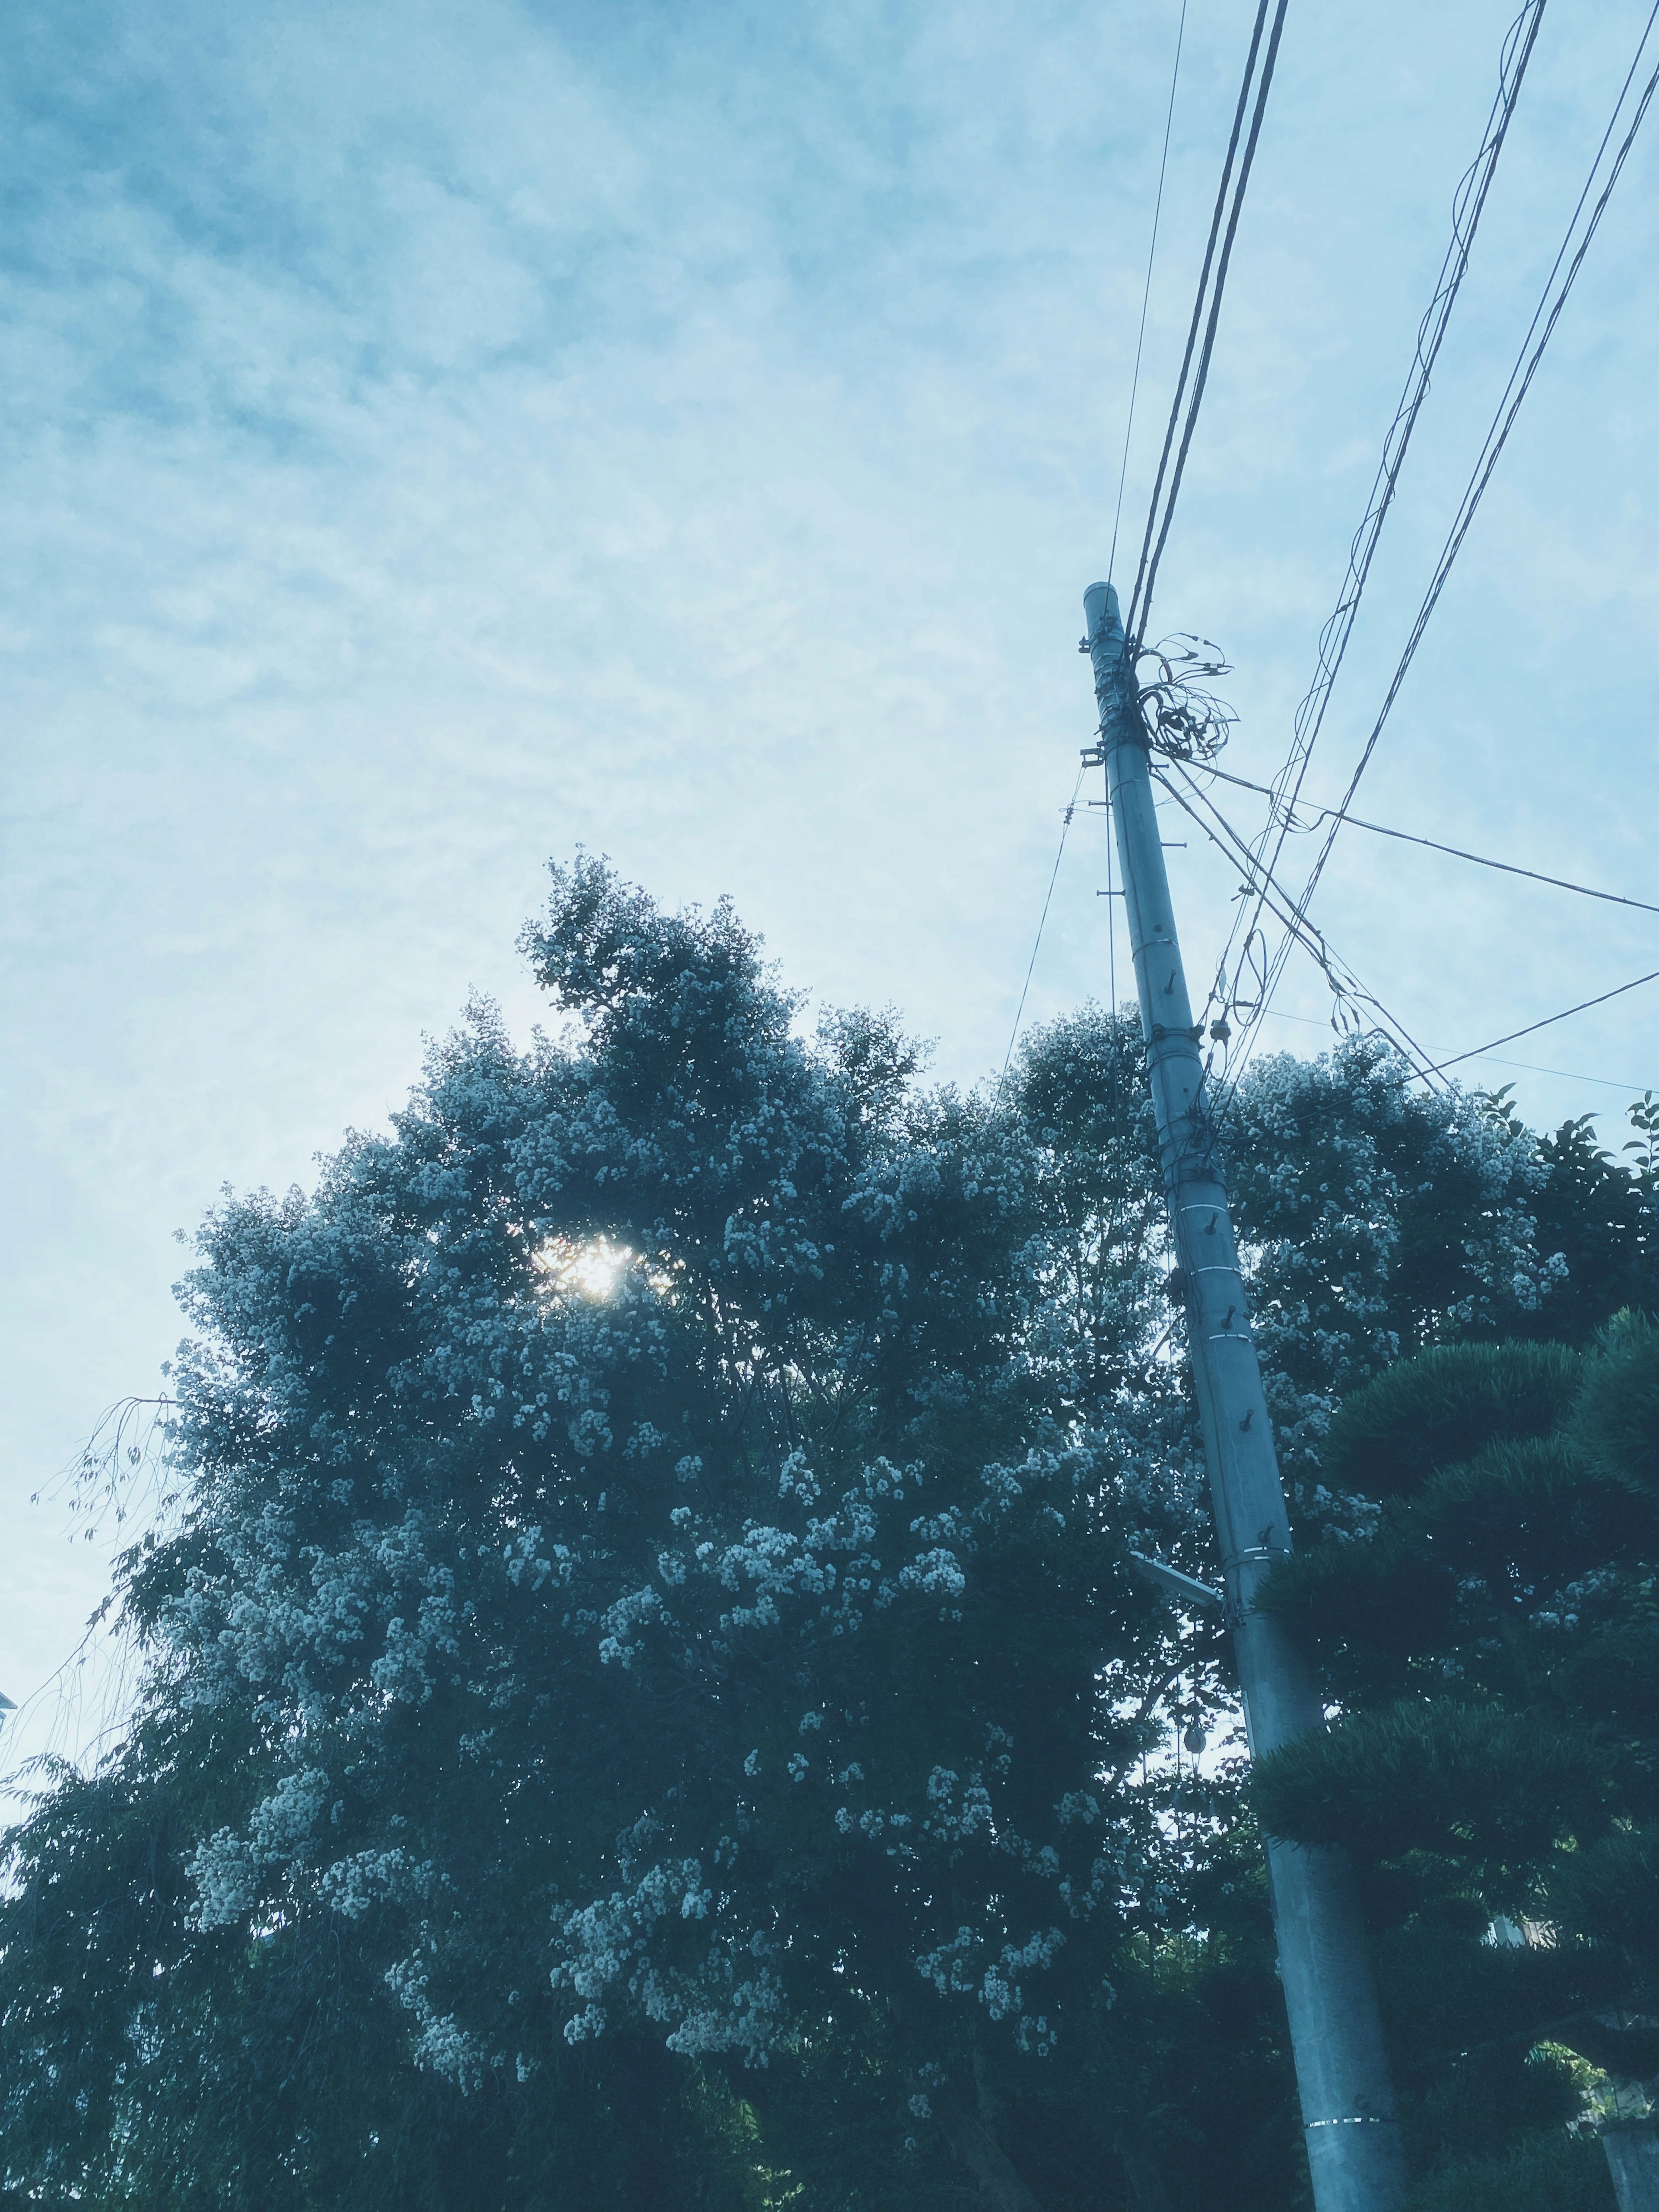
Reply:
x=437 y=436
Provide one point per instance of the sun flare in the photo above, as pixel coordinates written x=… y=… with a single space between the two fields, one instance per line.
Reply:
x=583 y=1268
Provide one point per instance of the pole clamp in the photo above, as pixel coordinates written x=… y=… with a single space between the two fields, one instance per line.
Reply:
x=1253 y=1555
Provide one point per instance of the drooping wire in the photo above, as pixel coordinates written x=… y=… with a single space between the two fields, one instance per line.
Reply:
x=1351 y=996
x=1348 y=993
x=1515 y=392
x=1042 y=923
x=1433 y=845
x=1343 y=982
x=1140 y=603
x=1133 y=620
x=1547 y=313
x=1468 y=204
x=1146 y=294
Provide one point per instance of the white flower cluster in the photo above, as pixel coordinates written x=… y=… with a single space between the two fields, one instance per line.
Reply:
x=229 y=1871
x=724 y=1994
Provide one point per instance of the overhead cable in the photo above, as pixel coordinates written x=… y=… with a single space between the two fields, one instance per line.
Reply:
x=1468 y=204
x=1546 y=315
x=1146 y=293
x=1347 y=989
x=1527 y=1067
x=1209 y=294
x=1456 y=852
x=1042 y=923
x=1548 y=310
x=1228 y=840
x=1549 y=1021
x=1354 y=1004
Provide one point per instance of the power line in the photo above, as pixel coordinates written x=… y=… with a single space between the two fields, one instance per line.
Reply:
x=1198 y=303
x=1468 y=204
x=1527 y=1066
x=1456 y=852
x=1566 y=1074
x=1549 y=312
x=1346 y=986
x=1140 y=610
x=1549 y=1021
x=1042 y=923
x=1145 y=297
x=1508 y=407
x=1145 y=575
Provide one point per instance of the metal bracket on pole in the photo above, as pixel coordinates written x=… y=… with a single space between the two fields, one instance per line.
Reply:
x=1185 y=1590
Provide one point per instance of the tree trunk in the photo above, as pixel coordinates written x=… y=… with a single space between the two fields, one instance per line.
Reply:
x=972 y=2136
x=1633 y=2161
x=1146 y=2192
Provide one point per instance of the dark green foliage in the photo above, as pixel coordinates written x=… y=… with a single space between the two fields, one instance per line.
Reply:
x=1474 y=2002
x=1610 y=1893
x=1482 y=2101
x=1371 y=1607
x=1446 y=1569
x=1601 y=1214
x=1617 y=1421
x=1532 y=1511
x=226 y=2072
x=1551 y=2171
x=1494 y=1635
x=1440 y=1407
x=1399 y=1780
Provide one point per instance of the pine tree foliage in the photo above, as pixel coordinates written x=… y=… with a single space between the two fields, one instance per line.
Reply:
x=1397 y=1780
x=1490 y=1626
x=1441 y=1406
x=1554 y=2174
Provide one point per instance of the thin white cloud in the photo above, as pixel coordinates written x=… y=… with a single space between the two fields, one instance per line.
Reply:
x=436 y=437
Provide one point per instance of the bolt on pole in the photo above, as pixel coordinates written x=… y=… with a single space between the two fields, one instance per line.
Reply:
x=1349 y=2125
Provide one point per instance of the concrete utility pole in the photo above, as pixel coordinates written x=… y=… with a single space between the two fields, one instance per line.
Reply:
x=1342 y=2065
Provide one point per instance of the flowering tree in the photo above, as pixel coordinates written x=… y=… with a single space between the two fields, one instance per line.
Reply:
x=645 y=1682
x=652 y=1562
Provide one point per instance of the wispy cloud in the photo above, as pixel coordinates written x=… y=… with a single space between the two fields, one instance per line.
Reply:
x=435 y=436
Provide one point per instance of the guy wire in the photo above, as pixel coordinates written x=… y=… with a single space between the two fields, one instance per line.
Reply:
x=1042 y=922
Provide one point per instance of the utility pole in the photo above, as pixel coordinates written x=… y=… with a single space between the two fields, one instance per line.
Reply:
x=1341 y=2064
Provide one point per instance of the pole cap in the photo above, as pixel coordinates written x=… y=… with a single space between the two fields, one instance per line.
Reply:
x=1100 y=609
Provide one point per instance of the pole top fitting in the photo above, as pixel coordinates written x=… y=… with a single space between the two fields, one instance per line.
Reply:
x=1100 y=612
